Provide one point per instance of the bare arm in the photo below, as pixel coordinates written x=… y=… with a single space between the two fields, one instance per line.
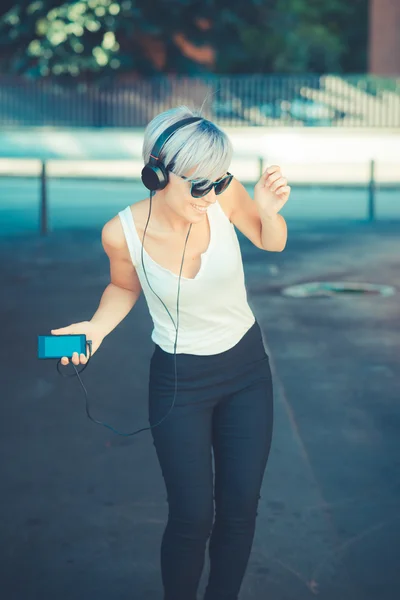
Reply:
x=124 y=289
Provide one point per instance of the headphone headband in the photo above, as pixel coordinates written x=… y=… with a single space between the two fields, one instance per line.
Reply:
x=154 y=173
x=164 y=137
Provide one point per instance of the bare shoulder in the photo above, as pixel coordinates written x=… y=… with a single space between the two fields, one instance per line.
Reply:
x=228 y=200
x=122 y=270
x=112 y=235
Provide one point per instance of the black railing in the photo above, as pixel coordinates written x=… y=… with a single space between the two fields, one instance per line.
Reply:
x=251 y=100
x=47 y=170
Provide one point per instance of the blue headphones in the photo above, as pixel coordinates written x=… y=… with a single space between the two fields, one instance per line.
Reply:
x=154 y=173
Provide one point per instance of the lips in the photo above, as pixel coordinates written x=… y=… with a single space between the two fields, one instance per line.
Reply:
x=199 y=207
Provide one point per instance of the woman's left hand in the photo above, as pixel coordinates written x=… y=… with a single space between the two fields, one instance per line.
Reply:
x=271 y=191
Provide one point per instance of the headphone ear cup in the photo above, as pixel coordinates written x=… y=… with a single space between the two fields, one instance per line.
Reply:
x=154 y=177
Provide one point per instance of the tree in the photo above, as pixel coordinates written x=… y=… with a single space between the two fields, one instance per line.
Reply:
x=300 y=36
x=49 y=37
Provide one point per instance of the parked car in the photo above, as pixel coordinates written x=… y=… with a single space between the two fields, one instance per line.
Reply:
x=312 y=112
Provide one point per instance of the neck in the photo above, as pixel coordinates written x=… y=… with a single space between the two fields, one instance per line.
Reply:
x=166 y=218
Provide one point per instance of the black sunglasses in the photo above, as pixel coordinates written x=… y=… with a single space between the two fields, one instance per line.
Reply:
x=197 y=189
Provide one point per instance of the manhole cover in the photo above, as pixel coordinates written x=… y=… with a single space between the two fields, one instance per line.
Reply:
x=330 y=288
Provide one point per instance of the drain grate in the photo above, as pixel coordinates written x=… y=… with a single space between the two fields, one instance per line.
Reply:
x=331 y=288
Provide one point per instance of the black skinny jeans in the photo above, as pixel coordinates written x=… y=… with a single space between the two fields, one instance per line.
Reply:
x=224 y=405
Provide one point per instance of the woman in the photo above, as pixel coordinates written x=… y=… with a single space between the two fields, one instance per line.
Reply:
x=224 y=404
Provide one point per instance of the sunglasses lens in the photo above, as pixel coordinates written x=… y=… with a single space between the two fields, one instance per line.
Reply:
x=221 y=187
x=199 y=192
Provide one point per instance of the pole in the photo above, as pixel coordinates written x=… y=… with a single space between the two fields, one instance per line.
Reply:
x=371 y=192
x=43 y=200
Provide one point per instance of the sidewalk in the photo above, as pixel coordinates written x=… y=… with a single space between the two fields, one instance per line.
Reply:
x=307 y=155
x=84 y=509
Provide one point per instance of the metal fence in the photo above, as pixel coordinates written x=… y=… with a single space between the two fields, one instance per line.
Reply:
x=251 y=100
x=45 y=194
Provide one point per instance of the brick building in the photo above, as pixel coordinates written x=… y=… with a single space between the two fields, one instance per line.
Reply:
x=384 y=37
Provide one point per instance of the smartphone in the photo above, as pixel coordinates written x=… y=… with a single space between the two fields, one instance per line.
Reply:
x=57 y=346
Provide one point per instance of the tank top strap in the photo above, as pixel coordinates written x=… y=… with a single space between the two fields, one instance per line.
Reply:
x=131 y=236
x=221 y=213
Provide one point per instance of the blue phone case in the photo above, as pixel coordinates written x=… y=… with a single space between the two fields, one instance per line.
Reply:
x=57 y=346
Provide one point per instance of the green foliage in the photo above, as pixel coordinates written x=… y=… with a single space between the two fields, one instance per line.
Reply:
x=43 y=37
x=298 y=36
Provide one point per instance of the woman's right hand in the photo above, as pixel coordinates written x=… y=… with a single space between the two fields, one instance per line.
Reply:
x=91 y=331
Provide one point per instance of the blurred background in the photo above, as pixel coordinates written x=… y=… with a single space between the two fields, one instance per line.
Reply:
x=311 y=85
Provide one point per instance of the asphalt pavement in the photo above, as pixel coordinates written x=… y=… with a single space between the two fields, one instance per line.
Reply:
x=83 y=510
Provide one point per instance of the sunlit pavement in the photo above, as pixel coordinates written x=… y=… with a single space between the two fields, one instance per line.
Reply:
x=307 y=154
x=84 y=509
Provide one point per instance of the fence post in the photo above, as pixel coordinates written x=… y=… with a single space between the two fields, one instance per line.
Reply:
x=261 y=165
x=371 y=192
x=43 y=200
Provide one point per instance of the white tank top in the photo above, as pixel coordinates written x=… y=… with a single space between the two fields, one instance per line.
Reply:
x=213 y=310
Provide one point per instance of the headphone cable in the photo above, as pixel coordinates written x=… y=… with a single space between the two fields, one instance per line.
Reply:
x=89 y=342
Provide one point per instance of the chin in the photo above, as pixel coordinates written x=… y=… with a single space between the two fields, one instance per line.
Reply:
x=192 y=219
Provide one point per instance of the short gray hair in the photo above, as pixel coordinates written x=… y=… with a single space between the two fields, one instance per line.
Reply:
x=201 y=144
